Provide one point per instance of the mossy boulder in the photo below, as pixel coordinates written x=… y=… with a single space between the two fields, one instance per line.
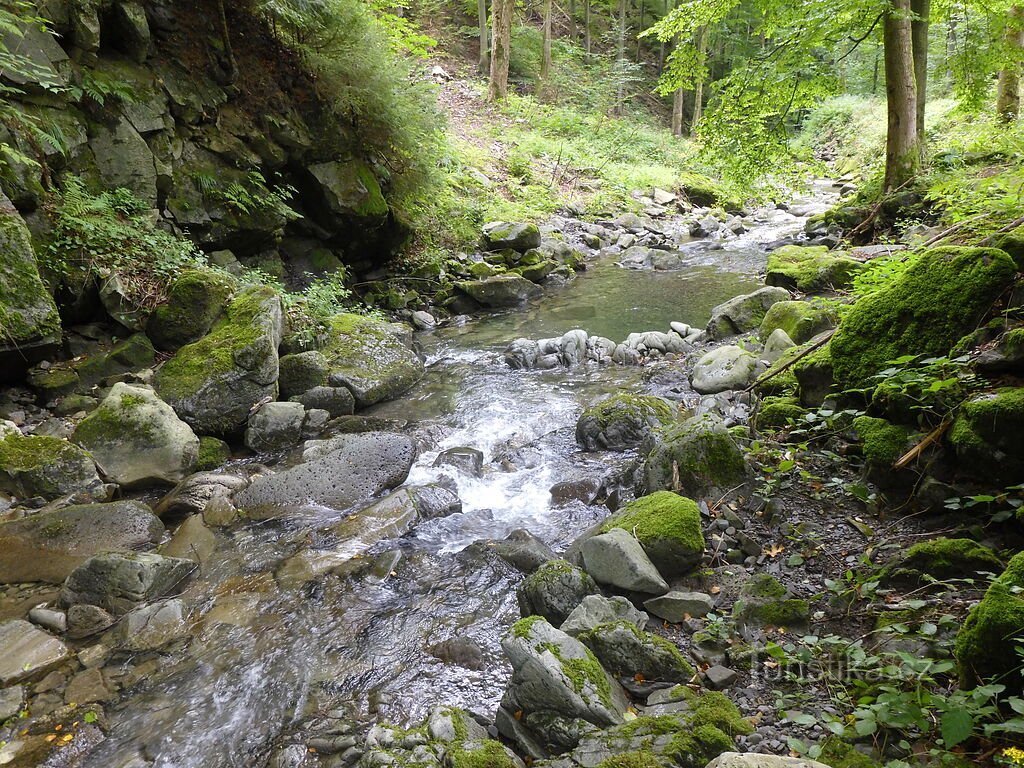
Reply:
x=668 y=527
x=815 y=375
x=942 y=559
x=779 y=378
x=195 y=300
x=1013 y=243
x=842 y=754
x=29 y=322
x=778 y=411
x=986 y=643
x=137 y=439
x=131 y=355
x=214 y=382
x=301 y=372
x=371 y=358
x=517 y=236
x=37 y=465
x=811 y=269
x=622 y=421
x=743 y=313
x=801 y=320
x=938 y=299
x=53 y=383
x=626 y=650
x=724 y=369
x=883 y=442
x=500 y=291
x=213 y=453
x=765 y=601
x=697 y=454
x=554 y=590
x=987 y=435
x=350 y=189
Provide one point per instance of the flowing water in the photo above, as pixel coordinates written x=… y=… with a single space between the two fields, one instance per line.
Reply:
x=264 y=660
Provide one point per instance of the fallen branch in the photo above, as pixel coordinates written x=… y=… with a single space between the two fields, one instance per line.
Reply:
x=930 y=439
x=772 y=374
x=946 y=233
x=991 y=239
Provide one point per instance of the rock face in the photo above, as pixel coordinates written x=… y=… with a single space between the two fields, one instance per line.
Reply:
x=667 y=526
x=615 y=558
x=556 y=681
x=28 y=652
x=28 y=316
x=722 y=369
x=811 y=269
x=212 y=383
x=500 y=290
x=50 y=545
x=137 y=439
x=370 y=358
x=118 y=582
x=700 y=452
x=743 y=313
x=335 y=473
x=626 y=651
x=985 y=643
x=36 y=465
x=621 y=422
x=926 y=310
x=554 y=590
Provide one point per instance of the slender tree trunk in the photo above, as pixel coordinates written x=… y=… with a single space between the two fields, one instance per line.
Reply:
x=874 y=74
x=572 y=21
x=902 y=146
x=586 y=25
x=698 y=89
x=485 y=48
x=229 y=52
x=643 y=14
x=501 y=41
x=677 y=112
x=1008 y=96
x=620 y=95
x=919 y=36
x=545 y=64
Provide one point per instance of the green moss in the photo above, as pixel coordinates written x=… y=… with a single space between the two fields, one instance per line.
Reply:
x=841 y=754
x=943 y=559
x=763 y=601
x=54 y=382
x=588 y=671
x=815 y=376
x=986 y=644
x=625 y=405
x=484 y=754
x=39 y=465
x=883 y=442
x=523 y=627
x=112 y=423
x=27 y=312
x=777 y=412
x=700 y=451
x=22 y=453
x=939 y=298
x=195 y=300
x=800 y=320
x=987 y=435
x=763 y=586
x=650 y=655
x=784 y=383
x=810 y=269
x=631 y=760
x=213 y=453
x=668 y=527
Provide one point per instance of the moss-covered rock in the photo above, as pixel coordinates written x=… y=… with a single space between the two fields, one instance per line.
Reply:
x=1013 y=243
x=213 y=453
x=811 y=269
x=521 y=237
x=698 y=454
x=939 y=298
x=37 y=465
x=131 y=355
x=987 y=435
x=801 y=320
x=776 y=412
x=350 y=189
x=371 y=358
x=507 y=290
x=554 y=590
x=53 y=383
x=668 y=527
x=779 y=379
x=765 y=601
x=481 y=754
x=195 y=300
x=942 y=559
x=986 y=643
x=883 y=443
x=743 y=313
x=815 y=375
x=842 y=754
x=627 y=651
x=302 y=372
x=622 y=421
x=212 y=383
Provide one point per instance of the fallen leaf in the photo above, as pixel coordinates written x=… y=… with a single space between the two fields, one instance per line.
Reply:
x=775 y=550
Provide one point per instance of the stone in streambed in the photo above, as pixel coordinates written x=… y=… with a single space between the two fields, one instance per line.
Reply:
x=668 y=527
x=500 y=290
x=554 y=590
x=596 y=610
x=468 y=460
x=28 y=652
x=627 y=651
x=118 y=582
x=336 y=401
x=801 y=320
x=194 y=494
x=275 y=427
x=621 y=422
x=150 y=627
x=37 y=465
x=693 y=456
x=757 y=760
x=616 y=558
x=521 y=237
x=521 y=549
x=675 y=607
x=724 y=369
x=743 y=313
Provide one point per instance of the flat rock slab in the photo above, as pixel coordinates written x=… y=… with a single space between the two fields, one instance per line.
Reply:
x=337 y=473
x=27 y=651
x=675 y=606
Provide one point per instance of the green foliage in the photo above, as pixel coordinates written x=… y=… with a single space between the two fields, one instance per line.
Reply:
x=101 y=87
x=248 y=195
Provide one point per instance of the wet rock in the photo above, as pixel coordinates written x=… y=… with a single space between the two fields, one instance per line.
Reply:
x=554 y=590
x=194 y=494
x=522 y=550
x=433 y=501
x=337 y=473
x=468 y=460
x=616 y=558
x=275 y=427
x=151 y=627
x=676 y=607
x=50 y=545
x=757 y=760
x=302 y=372
x=118 y=582
x=12 y=699
x=500 y=290
x=586 y=490
x=521 y=237
x=743 y=313
x=89 y=686
x=811 y=269
x=462 y=651
x=596 y=610
x=668 y=527
x=87 y=620
x=423 y=321
x=336 y=401
x=29 y=652
x=35 y=465
x=621 y=422
x=693 y=457
x=192 y=541
x=725 y=368
x=627 y=651
x=137 y=439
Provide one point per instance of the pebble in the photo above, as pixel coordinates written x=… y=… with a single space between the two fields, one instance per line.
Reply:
x=48 y=618
x=719 y=678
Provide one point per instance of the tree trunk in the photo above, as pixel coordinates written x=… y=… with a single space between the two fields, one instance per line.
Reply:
x=698 y=89
x=545 y=64
x=643 y=15
x=677 y=112
x=1008 y=95
x=620 y=95
x=485 y=48
x=572 y=20
x=919 y=36
x=902 y=144
x=229 y=52
x=501 y=41
x=586 y=25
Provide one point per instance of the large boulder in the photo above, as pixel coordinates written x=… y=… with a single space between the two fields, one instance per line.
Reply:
x=336 y=473
x=800 y=320
x=743 y=313
x=723 y=369
x=987 y=641
x=119 y=582
x=371 y=358
x=622 y=421
x=350 y=189
x=615 y=558
x=214 y=382
x=987 y=435
x=38 y=465
x=626 y=650
x=667 y=526
x=697 y=455
x=925 y=311
x=137 y=440
x=500 y=290
x=28 y=316
x=554 y=590
x=811 y=269
x=49 y=545
x=195 y=300
x=521 y=237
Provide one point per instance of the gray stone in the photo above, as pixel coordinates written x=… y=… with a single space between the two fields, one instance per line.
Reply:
x=315 y=422
x=350 y=189
x=37 y=465
x=758 y=760
x=50 y=545
x=722 y=369
x=373 y=359
x=89 y=686
x=150 y=627
x=627 y=651
x=617 y=559
x=554 y=590
x=424 y=321
x=703 y=446
x=137 y=439
x=130 y=29
x=87 y=620
x=433 y=501
x=118 y=582
x=47 y=618
x=596 y=610
x=777 y=343
x=719 y=678
x=675 y=607
x=194 y=494
x=337 y=401
x=336 y=473
x=500 y=290
x=123 y=159
x=12 y=700
x=521 y=237
x=743 y=313
x=468 y=460
x=301 y=372
x=29 y=652
x=192 y=541
x=522 y=550
x=449 y=724
x=275 y=427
